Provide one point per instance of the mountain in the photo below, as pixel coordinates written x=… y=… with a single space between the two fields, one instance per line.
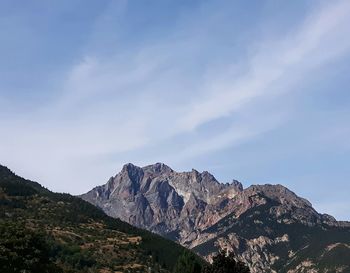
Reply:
x=42 y=231
x=268 y=226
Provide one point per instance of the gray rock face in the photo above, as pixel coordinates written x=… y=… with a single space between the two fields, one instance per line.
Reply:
x=257 y=223
x=164 y=201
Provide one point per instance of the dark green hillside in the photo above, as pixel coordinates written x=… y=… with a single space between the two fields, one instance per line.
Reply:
x=42 y=231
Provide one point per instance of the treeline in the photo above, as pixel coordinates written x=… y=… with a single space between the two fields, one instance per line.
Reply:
x=25 y=250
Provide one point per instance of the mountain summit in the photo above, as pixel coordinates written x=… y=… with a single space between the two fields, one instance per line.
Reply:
x=167 y=202
x=267 y=226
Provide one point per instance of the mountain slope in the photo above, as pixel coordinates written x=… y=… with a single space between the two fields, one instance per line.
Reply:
x=75 y=235
x=267 y=226
x=159 y=199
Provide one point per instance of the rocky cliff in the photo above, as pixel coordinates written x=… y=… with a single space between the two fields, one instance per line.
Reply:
x=267 y=226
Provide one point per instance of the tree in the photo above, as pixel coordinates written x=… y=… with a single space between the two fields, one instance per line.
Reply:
x=187 y=263
x=22 y=250
x=226 y=263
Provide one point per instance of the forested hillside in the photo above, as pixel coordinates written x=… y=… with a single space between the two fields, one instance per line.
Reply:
x=42 y=231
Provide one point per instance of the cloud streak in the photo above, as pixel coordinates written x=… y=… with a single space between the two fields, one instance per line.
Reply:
x=323 y=35
x=144 y=95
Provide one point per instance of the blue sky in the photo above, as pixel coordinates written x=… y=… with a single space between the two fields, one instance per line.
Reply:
x=256 y=91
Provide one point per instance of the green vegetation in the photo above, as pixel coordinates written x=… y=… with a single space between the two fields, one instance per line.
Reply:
x=223 y=263
x=42 y=231
x=23 y=250
x=188 y=263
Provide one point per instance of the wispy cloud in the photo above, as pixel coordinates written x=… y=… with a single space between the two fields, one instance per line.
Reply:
x=323 y=35
x=162 y=88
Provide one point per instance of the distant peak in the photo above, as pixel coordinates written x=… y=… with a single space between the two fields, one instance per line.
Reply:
x=279 y=192
x=129 y=166
x=158 y=168
x=132 y=171
x=237 y=185
x=194 y=171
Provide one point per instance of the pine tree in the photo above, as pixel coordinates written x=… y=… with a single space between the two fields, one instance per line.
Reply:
x=226 y=263
x=187 y=263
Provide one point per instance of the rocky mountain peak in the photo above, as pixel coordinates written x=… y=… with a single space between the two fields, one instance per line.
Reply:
x=280 y=194
x=127 y=167
x=199 y=212
x=157 y=195
x=158 y=168
x=130 y=173
x=236 y=185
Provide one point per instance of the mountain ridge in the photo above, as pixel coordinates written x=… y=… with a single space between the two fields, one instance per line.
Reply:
x=195 y=209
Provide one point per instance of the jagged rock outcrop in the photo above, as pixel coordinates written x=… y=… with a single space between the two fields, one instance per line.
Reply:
x=267 y=226
x=164 y=201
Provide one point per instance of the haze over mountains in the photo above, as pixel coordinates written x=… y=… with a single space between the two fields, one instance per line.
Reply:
x=267 y=226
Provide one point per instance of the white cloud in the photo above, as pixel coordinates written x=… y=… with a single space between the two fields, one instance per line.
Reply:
x=141 y=96
x=324 y=35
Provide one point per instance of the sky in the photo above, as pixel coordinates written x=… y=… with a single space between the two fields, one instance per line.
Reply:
x=256 y=91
